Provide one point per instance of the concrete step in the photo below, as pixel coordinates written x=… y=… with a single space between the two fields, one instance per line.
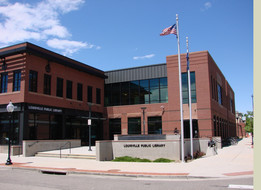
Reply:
x=75 y=156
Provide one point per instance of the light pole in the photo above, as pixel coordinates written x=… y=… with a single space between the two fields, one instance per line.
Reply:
x=143 y=111
x=90 y=124
x=10 y=109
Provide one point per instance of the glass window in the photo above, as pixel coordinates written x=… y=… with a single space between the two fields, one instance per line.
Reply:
x=115 y=127
x=144 y=92
x=79 y=91
x=89 y=93
x=125 y=92
x=219 y=88
x=17 y=80
x=115 y=94
x=69 y=89
x=185 y=92
x=164 y=90
x=4 y=82
x=155 y=125
x=134 y=92
x=98 y=96
x=134 y=125
x=154 y=91
x=33 y=75
x=107 y=94
x=47 y=84
x=59 y=87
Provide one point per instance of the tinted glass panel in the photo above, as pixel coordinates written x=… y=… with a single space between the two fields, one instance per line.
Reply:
x=16 y=80
x=125 y=87
x=134 y=92
x=69 y=89
x=155 y=125
x=47 y=84
x=144 y=91
x=134 y=125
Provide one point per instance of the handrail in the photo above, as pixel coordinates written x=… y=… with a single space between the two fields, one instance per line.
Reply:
x=29 y=145
x=70 y=147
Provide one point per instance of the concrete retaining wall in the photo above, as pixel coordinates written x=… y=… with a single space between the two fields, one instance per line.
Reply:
x=15 y=149
x=150 y=149
x=31 y=147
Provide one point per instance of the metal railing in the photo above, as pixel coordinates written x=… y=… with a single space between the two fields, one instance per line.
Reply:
x=70 y=147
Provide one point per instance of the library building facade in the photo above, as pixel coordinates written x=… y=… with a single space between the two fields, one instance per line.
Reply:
x=54 y=96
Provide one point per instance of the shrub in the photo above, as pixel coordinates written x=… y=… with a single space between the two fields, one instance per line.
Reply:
x=198 y=154
x=130 y=159
x=165 y=160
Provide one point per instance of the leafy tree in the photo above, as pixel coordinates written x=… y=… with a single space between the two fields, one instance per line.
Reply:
x=249 y=122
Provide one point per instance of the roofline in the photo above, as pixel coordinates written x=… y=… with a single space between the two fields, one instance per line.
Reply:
x=51 y=56
x=152 y=65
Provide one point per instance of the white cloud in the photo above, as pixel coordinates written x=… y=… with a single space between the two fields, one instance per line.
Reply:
x=40 y=21
x=207 y=6
x=68 y=46
x=144 y=57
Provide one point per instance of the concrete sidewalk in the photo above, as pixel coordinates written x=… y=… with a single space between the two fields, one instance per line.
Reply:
x=236 y=160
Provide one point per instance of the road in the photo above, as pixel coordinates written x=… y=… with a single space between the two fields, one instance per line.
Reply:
x=35 y=180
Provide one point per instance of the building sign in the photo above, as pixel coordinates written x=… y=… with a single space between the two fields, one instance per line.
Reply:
x=144 y=145
x=47 y=109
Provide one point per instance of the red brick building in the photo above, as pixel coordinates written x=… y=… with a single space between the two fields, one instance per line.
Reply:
x=213 y=108
x=51 y=94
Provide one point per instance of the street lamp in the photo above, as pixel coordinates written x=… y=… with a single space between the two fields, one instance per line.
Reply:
x=90 y=124
x=143 y=111
x=10 y=109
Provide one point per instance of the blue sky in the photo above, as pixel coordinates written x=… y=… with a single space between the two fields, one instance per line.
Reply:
x=119 y=34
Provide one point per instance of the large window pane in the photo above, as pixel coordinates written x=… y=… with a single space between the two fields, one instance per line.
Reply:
x=4 y=82
x=155 y=125
x=219 y=94
x=59 y=87
x=89 y=93
x=115 y=127
x=154 y=91
x=98 y=96
x=16 y=80
x=47 y=84
x=107 y=95
x=185 y=91
x=134 y=92
x=33 y=81
x=115 y=96
x=144 y=91
x=125 y=92
x=69 y=89
x=79 y=91
x=134 y=125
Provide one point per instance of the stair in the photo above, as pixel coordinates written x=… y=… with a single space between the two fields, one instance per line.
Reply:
x=74 y=156
x=75 y=153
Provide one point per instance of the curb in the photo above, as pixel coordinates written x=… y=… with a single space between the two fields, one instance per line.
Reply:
x=73 y=171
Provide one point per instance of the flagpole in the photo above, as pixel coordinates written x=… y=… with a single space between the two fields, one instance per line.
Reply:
x=180 y=94
x=190 y=112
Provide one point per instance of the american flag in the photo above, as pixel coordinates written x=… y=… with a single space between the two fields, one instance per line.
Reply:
x=170 y=30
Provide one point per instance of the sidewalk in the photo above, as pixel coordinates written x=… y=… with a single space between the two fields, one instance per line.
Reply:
x=236 y=160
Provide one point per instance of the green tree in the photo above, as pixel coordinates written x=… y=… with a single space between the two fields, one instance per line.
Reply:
x=249 y=122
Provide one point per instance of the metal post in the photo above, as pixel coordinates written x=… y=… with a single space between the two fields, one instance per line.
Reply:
x=10 y=109
x=8 y=161
x=90 y=126
x=180 y=95
x=143 y=111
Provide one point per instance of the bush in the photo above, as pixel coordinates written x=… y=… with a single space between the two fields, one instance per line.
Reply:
x=164 y=160
x=198 y=154
x=131 y=159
